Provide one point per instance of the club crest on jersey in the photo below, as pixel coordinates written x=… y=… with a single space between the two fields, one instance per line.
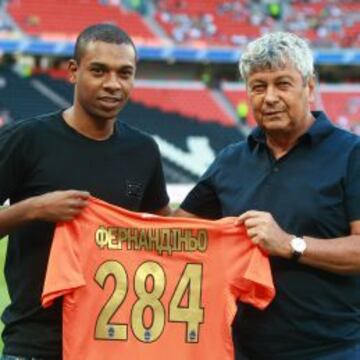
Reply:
x=147 y=335
x=111 y=331
x=192 y=336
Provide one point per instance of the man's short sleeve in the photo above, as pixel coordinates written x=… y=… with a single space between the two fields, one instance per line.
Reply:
x=202 y=200
x=12 y=166
x=156 y=196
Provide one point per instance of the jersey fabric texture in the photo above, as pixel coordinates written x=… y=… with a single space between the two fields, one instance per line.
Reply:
x=148 y=287
x=314 y=190
x=45 y=154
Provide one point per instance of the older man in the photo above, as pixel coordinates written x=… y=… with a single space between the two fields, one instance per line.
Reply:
x=295 y=184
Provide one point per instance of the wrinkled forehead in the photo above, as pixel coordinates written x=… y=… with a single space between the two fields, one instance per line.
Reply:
x=280 y=63
x=265 y=67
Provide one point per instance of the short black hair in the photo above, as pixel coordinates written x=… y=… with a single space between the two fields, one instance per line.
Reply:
x=108 y=33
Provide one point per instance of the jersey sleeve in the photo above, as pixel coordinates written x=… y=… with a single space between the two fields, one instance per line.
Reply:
x=249 y=272
x=64 y=272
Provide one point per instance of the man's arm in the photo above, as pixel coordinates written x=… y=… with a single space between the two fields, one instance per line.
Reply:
x=339 y=255
x=54 y=206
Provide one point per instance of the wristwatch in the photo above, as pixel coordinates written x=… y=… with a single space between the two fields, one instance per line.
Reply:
x=298 y=246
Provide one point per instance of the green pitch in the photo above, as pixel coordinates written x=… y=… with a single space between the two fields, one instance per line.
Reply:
x=4 y=297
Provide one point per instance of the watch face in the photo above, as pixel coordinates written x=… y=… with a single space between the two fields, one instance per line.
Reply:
x=298 y=245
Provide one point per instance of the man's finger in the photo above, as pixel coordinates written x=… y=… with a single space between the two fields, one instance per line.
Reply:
x=78 y=193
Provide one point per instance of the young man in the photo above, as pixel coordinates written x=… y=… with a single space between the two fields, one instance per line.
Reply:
x=42 y=161
x=295 y=184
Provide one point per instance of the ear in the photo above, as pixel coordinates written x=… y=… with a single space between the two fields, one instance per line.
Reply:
x=73 y=68
x=311 y=88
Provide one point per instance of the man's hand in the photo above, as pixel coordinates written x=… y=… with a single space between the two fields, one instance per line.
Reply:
x=264 y=231
x=58 y=205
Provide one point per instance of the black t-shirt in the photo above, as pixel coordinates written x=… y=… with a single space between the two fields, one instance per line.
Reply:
x=44 y=154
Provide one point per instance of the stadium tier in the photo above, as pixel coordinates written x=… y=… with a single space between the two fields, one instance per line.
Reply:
x=343 y=103
x=187 y=120
x=20 y=97
x=192 y=99
x=52 y=18
x=185 y=30
x=234 y=22
x=190 y=121
x=188 y=143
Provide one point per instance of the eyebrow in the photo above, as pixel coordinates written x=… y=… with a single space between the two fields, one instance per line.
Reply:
x=104 y=66
x=285 y=77
x=257 y=81
x=279 y=78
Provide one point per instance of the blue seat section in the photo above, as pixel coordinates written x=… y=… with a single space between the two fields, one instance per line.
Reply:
x=20 y=97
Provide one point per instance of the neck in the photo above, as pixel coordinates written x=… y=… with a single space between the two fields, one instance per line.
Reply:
x=281 y=142
x=280 y=146
x=87 y=125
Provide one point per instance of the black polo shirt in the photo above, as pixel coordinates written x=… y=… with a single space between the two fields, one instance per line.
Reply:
x=313 y=190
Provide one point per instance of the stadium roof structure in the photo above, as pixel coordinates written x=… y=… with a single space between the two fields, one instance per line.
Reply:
x=65 y=48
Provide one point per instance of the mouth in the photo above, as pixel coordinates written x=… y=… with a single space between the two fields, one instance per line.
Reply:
x=110 y=102
x=110 y=99
x=272 y=113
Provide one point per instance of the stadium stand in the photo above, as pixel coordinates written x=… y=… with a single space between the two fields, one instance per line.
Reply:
x=235 y=94
x=212 y=21
x=188 y=118
x=234 y=22
x=188 y=144
x=343 y=103
x=189 y=136
x=52 y=18
x=192 y=99
x=326 y=23
x=21 y=97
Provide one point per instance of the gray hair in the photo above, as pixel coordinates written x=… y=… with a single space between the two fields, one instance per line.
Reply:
x=273 y=51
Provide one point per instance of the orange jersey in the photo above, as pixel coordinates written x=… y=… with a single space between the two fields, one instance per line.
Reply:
x=140 y=286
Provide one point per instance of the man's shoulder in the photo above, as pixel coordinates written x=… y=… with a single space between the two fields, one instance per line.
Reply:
x=234 y=149
x=135 y=134
x=29 y=124
x=345 y=137
x=330 y=131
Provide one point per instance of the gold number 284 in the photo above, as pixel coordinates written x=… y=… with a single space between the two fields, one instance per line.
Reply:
x=185 y=304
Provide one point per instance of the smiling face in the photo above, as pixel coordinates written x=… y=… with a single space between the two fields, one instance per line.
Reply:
x=280 y=100
x=103 y=79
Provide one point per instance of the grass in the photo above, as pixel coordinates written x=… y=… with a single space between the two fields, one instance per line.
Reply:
x=4 y=297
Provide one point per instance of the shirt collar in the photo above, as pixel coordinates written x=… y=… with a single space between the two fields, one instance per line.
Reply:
x=321 y=127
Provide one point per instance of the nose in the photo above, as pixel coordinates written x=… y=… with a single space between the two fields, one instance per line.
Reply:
x=112 y=82
x=271 y=94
